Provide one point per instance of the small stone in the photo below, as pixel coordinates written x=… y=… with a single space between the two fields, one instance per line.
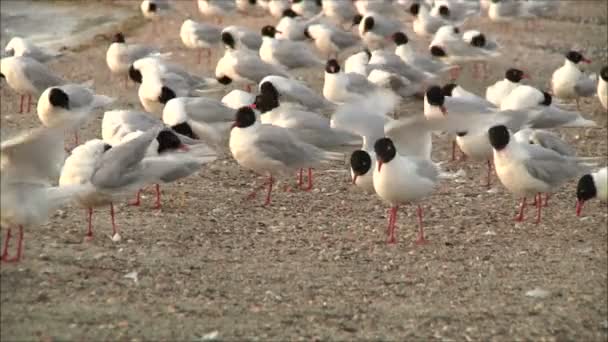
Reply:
x=116 y=237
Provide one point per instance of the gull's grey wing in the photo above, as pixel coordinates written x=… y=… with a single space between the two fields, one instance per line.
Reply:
x=586 y=86
x=295 y=55
x=208 y=33
x=549 y=166
x=136 y=51
x=40 y=76
x=170 y=168
x=79 y=96
x=208 y=110
x=251 y=40
x=119 y=166
x=553 y=142
x=279 y=144
x=426 y=168
x=343 y=39
x=359 y=84
x=33 y=155
x=255 y=69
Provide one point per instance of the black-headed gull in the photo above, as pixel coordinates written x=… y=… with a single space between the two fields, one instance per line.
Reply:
x=384 y=7
x=402 y=180
x=120 y=55
x=499 y=90
x=27 y=77
x=271 y=150
x=424 y=24
x=18 y=46
x=592 y=185
x=507 y=10
x=292 y=26
x=376 y=30
x=292 y=90
x=285 y=53
x=330 y=40
x=569 y=82
x=238 y=37
x=404 y=50
x=200 y=36
x=454 y=11
x=340 y=87
x=69 y=106
x=602 y=87
x=276 y=8
x=219 y=9
x=529 y=170
x=339 y=11
x=307 y=8
x=30 y=164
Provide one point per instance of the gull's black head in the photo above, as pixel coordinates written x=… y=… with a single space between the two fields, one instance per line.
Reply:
x=360 y=162
x=499 y=137
x=462 y=134
x=166 y=94
x=434 y=96
x=307 y=34
x=479 y=40
x=296 y=1
x=289 y=13
x=267 y=88
x=575 y=57
x=604 y=73
x=368 y=24
x=225 y=80
x=2 y=75
x=414 y=9
x=252 y=2
x=228 y=40
x=106 y=147
x=332 y=66
x=167 y=141
x=134 y=74
x=514 y=75
x=151 y=7
x=185 y=129
x=9 y=52
x=244 y=117
x=269 y=31
x=586 y=190
x=456 y=30
x=357 y=19
x=319 y=3
x=437 y=51
x=118 y=38
x=385 y=151
x=268 y=99
x=547 y=99
x=444 y=11
x=58 y=98
x=400 y=38
x=448 y=88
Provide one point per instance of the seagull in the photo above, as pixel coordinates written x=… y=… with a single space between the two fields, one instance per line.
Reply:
x=330 y=40
x=30 y=163
x=292 y=26
x=120 y=55
x=271 y=150
x=400 y=179
x=454 y=11
x=200 y=36
x=276 y=8
x=501 y=89
x=339 y=11
x=507 y=10
x=425 y=63
x=602 y=87
x=374 y=29
x=69 y=106
x=307 y=8
x=570 y=82
x=389 y=61
x=27 y=77
x=527 y=170
x=238 y=98
x=394 y=82
x=216 y=8
x=424 y=24
x=592 y=185
x=153 y=9
x=199 y=118
x=339 y=87
x=245 y=67
x=457 y=91
x=291 y=90
x=18 y=46
x=384 y=7
x=237 y=37
x=285 y=53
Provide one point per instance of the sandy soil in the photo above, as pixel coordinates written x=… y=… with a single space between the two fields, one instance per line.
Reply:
x=315 y=265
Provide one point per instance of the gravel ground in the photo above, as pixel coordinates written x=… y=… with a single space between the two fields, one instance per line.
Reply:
x=315 y=265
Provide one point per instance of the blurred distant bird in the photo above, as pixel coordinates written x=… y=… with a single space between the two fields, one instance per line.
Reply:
x=120 y=55
x=200 y=36
x=18 y=46
x=219 y=9
x=569 y=82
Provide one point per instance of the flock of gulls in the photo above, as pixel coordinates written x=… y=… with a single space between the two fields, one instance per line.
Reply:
x=280 y=127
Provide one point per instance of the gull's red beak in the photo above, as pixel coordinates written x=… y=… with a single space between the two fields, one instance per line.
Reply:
x=252 y=106
x=585 y=60
x=379 y=165
x=355 y=179
x=579 y=207
x=184 y=148
x=277 y=31
x=526 y=76
x=444 y=110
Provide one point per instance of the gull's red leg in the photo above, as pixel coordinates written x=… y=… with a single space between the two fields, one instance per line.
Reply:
x=453 y=150
x=421 y=240
x=489 y=181
x=90 y=215
x=157 y=205
x=5 y=248
x=29 y=102
x=114 y=231
x=137 y=201
x=547 y=195
x=309 y=180
x=76 y=140
x=270 y=181
x=21 y=104
x=539 y=206
x=19 y=246
x=522 y=207
x=301 y=178
x=391 y=227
